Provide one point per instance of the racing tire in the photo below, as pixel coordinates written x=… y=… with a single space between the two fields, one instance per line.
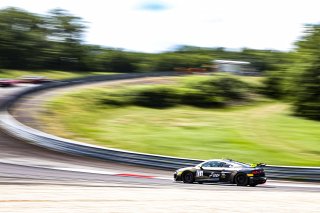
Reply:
x=253 y=184
x=188 y=177
x=241 y=179
x=200 y=182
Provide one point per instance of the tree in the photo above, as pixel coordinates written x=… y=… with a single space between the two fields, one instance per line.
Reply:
x=307 y=101
x=64 y=27
x=33 y=41
x=65 y=33
x=22 y=39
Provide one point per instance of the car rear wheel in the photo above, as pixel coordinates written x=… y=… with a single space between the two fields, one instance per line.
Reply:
x=241 y=180
x=188 y=177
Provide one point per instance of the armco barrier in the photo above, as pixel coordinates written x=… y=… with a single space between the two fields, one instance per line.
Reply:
x=15 y=128
x=72 y=147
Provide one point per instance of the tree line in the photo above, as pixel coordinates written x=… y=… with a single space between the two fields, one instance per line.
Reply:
x=56 y=41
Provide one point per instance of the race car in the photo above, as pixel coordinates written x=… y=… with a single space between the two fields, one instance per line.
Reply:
x=222 y=170
x=34 y=79
x=5 y=82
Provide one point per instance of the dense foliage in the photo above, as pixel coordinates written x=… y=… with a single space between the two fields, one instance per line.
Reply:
x=215 y=92
x=299 y=81
x=307 y=93
x=307 y=99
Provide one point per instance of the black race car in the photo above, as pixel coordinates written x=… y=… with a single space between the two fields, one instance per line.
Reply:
x=227 y=171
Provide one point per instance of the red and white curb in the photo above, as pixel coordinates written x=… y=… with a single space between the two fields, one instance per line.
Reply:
x=113 y=173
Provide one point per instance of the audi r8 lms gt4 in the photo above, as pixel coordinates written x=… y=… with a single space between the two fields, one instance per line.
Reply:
x=227 y=171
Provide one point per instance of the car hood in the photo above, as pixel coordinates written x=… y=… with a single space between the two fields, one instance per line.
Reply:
x=185 y=168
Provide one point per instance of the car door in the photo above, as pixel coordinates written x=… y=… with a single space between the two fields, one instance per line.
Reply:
x=226 y=171
x=212 y=171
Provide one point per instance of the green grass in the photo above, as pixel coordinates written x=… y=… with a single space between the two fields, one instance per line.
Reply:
x=260 y=132
x=253 y=80
x=51 y=74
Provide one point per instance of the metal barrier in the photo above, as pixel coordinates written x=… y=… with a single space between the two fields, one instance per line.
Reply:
x=17 y=129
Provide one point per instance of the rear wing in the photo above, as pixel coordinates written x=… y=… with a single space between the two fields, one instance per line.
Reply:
x=258 y=165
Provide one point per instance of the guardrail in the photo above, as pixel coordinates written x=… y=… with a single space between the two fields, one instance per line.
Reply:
x=17 y=129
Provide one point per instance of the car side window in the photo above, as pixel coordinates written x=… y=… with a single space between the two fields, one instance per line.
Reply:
x=211 y=164
x=206 y=164
x=225 y=165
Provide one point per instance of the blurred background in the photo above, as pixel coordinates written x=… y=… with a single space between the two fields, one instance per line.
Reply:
x=253 y=84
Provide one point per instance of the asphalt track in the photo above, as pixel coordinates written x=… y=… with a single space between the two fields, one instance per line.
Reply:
x=25 y=165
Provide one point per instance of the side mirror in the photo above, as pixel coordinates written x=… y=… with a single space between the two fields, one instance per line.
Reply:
x=201 y=167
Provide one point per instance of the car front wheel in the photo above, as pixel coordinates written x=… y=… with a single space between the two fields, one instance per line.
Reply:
x=188 y=177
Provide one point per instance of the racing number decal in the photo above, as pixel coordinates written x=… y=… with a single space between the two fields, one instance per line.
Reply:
x=199 y=173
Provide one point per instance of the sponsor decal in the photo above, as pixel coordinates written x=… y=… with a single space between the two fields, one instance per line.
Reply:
x=214 y=175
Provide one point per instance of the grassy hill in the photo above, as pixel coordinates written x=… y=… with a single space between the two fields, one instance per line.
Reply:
x=259 y=131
